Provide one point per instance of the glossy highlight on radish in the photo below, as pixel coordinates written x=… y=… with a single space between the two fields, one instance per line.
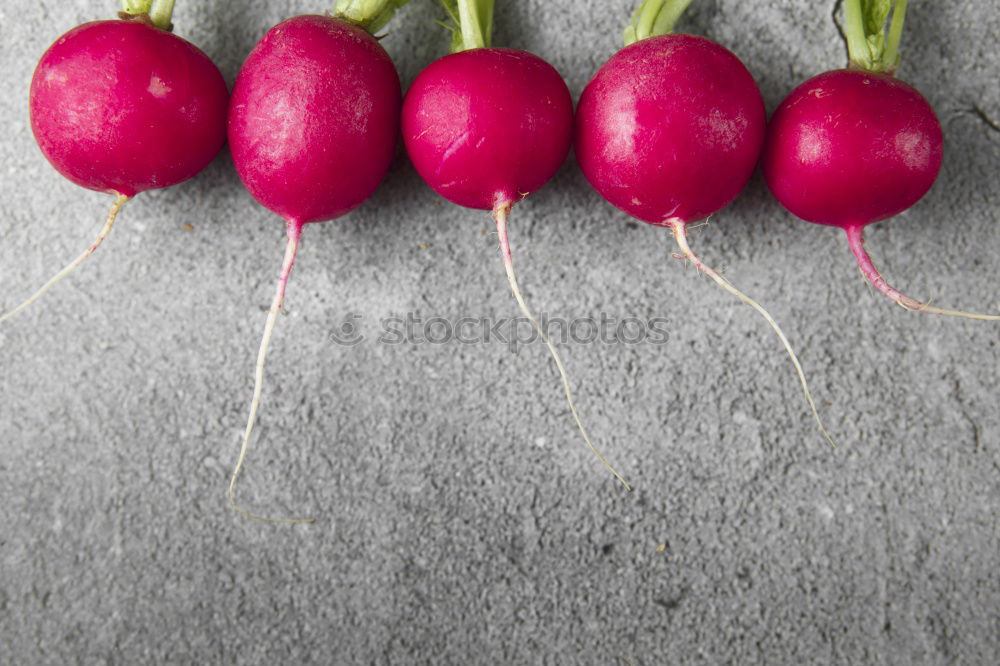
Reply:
x=122 y=107
x=313 y=125
x=669 y=130
x=485 y=127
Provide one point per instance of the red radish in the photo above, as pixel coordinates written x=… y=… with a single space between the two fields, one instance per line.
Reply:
x=680 y=147
x=313 y=125
x=669 y=130
x=124 y=106
x=851 y=147
x=486 y=127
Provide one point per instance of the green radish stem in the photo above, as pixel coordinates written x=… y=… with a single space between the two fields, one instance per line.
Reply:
x=855 y=239
x=471 y=23
x=653 y=18
x=895 y=35
x=112 y=216
x=372 y=15
x=679 y=228
x=291 y=249
x=158 y=11
x=868 y=45
x=500 y=213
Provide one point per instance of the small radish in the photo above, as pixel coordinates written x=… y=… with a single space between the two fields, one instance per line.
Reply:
x=855 y=146
x=485 y=127
x=669 y=130
x=313 y=124
x=123 y=106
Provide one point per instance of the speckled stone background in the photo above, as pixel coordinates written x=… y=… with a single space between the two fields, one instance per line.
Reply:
x=460 y=519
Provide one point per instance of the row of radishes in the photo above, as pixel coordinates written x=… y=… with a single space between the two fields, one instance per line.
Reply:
x=669 y=130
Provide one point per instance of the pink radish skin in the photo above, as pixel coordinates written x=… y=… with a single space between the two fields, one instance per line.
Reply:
x=669 y=130
x=848 y=148
x=486 y=127
x=123 y=107
x=314 y=118
x=313 y=125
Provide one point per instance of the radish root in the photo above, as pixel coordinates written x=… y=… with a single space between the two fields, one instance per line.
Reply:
x=112 y=216
x=500 y=215
x=680 y=235
x=291 y=249
x=855 y=239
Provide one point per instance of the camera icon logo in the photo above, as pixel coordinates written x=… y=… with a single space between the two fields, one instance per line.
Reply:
x=348 y=333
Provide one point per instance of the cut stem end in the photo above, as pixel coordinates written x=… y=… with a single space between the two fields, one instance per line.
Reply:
x=470 y=23
x=372 y=15
x=870 y=45
x=158 y=13
x=654 y=18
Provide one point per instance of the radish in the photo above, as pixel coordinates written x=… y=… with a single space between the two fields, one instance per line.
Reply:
x=669 y=130
x=855 y=146
x=313 y=123
x=124 y=106
x=485 y=127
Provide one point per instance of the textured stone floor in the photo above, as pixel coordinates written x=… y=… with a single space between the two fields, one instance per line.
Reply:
x=460 y=520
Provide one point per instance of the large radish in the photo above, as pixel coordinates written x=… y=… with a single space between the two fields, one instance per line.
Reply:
x=851 y=147
x=313 y=126
x=124 y=106
x=485 y=127
x=669 y=130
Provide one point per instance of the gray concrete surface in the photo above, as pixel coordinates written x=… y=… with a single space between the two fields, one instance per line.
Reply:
x=460 y=519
